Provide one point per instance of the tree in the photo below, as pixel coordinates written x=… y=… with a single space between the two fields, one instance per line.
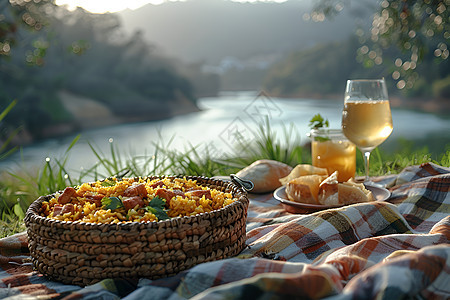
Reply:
x=419 y=30
x=28 y=15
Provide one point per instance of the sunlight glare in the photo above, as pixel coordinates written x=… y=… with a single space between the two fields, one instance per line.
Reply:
x=387 y=130
x=253 y=1
x=104 y=6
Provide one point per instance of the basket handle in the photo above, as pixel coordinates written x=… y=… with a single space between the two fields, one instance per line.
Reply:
x=246 y=184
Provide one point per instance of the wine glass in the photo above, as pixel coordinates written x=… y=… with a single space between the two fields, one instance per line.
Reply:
x=366 y=118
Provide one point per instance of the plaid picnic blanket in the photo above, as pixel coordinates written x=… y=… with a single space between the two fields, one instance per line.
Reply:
x=380 y=250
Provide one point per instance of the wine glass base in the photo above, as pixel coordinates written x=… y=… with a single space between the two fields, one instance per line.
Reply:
x=371 y=183
x=362 y=179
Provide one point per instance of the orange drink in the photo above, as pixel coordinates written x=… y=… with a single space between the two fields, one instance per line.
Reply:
x=330 y=149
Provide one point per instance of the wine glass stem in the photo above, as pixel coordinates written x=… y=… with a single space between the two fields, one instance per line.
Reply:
x=366 y=163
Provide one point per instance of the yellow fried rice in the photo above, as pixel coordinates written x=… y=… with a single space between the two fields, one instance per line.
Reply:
x=180 y=205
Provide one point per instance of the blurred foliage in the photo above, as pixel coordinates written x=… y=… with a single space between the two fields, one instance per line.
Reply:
x=419 y=30
x=19 y=14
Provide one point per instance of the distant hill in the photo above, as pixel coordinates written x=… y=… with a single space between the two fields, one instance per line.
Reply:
x=333 y=63
x=271 y=46
x=210 y=30
x=75 y=74
x=321 y=72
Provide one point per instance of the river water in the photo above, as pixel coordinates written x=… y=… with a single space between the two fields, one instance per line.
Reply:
x=217 y=125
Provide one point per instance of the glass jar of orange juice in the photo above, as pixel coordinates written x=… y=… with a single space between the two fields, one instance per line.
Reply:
x=330 y=149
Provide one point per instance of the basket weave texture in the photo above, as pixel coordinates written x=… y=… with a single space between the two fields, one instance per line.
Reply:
x=85 y=253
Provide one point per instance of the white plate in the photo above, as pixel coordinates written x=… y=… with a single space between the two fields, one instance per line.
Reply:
x=380 y=194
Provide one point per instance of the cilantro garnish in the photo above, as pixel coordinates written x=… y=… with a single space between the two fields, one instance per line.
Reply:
x=156 y=207
x=318 y=122
x=111 y=203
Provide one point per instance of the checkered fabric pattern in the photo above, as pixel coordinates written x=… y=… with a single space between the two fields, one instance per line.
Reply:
x=397 y=249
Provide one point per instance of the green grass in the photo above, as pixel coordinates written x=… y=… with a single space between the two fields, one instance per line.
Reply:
x=5 y=151
x=19 y=189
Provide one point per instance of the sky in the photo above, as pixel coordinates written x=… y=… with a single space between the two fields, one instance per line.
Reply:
x=103 y=6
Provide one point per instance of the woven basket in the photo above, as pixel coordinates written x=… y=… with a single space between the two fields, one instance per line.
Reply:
x=85 y=253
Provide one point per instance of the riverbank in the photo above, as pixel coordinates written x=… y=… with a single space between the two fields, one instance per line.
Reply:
x=91 y=114
x=218 y=119
x=438 y=106
x=431 y=105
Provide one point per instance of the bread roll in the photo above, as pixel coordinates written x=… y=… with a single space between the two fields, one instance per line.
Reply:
x=304 y=189
x=265 y=174
x=302 y=170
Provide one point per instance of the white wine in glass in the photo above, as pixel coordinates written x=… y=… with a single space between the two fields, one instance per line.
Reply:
x=366 y=118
